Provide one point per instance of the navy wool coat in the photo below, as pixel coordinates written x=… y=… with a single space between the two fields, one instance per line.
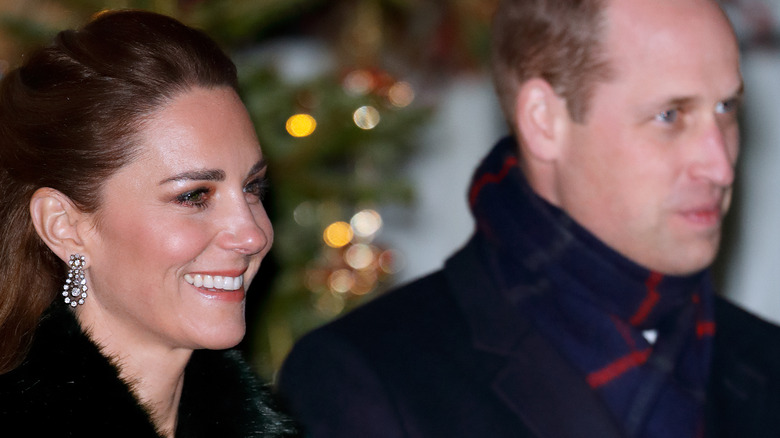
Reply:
x=443 y=357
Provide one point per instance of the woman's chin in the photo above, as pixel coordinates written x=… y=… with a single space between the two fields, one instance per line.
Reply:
x=222 y=338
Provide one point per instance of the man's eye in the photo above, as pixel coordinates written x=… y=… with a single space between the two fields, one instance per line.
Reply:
x=668 y=116
x=727 y=106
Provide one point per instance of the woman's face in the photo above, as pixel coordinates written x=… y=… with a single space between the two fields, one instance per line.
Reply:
x=180 y=232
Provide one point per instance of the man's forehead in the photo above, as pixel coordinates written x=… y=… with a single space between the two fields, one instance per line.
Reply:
x=669 y=36
x=639 y=16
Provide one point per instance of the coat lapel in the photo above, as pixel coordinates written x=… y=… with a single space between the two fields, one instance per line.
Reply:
x=549 y=396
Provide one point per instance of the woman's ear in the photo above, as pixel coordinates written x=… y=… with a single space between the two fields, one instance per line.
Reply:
x=57 y=221
x=541 y=118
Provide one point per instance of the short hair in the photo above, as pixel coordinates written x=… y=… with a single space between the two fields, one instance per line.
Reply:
x=560 y=41
x=69 y=118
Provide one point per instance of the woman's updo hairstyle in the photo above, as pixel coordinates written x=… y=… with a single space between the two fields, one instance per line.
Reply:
x=68 y=119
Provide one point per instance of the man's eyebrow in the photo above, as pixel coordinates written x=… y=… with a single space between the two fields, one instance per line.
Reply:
x=740 y=93
x=683 y=101
x=197 y=175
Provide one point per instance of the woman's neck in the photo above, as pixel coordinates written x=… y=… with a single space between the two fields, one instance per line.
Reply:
x=159 y=390
x=154 y=372
x=156 y=380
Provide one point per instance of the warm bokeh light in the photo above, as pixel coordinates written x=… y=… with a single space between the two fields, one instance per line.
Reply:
x=365 y=282
x=329 y=304
x=401 y=94
x=338 y=234
x=366 y=117
x=301 y=125
x=358 y=82
x=341 y=281
x=315 y=279
x=389 y=262
x=366 y=223
x=359 y=256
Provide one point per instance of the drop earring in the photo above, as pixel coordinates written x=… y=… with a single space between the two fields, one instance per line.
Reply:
x=75 y=288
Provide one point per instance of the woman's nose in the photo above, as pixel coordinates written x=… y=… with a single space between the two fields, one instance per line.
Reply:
x=248 y=229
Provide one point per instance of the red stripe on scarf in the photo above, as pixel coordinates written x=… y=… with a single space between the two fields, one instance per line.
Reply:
x=705 y=328
x=491 y=178
x=650 y=300
x=624 y=330
x=617 y=368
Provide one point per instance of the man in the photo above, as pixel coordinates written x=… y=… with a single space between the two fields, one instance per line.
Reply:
x=582 y=306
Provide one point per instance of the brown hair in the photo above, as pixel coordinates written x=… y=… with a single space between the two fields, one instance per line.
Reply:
x=67 y=121
x=559 y=41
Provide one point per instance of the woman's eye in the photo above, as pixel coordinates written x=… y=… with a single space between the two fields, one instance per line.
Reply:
x=194 y=198
x=668 y=116
x=257 y=188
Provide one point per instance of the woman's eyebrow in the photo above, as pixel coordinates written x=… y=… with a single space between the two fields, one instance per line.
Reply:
x=258 y=167
x=197 y=175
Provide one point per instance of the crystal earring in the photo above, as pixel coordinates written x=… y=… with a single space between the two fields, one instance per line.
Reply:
x=75 y=288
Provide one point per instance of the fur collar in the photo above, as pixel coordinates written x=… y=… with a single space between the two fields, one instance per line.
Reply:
x=66 y=387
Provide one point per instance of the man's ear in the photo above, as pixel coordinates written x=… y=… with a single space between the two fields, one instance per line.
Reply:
x=541 y=118
x=58 y=222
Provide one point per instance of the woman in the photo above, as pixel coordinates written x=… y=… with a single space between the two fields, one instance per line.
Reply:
x=134 y=224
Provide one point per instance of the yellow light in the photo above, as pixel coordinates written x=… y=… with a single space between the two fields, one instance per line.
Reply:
x=301 y=125
x=338 y=234
x=366 y=117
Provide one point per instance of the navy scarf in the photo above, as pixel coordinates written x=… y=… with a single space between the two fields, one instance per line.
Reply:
x=594 y=304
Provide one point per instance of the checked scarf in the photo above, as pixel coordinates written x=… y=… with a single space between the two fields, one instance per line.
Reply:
x=594 y=305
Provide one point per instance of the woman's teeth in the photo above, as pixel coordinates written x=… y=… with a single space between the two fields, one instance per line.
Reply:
x=214 y=281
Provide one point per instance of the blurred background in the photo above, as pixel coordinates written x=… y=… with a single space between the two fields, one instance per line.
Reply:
x=373 y=115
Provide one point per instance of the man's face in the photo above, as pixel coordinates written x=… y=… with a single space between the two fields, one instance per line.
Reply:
x=651 y=169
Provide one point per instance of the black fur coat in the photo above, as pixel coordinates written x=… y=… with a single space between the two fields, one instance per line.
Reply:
x=66 y=388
